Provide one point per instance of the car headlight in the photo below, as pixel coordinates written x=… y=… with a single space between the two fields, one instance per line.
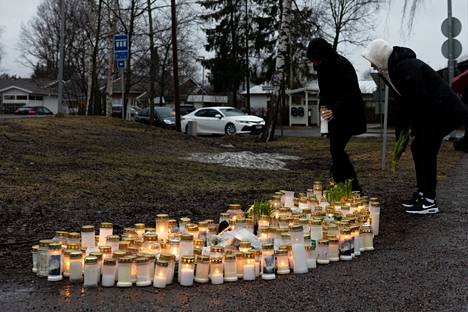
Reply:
x=243 y=121
x=168 y=122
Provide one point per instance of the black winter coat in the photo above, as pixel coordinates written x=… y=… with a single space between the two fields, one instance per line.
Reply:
x=339 y=91
x=427 y=102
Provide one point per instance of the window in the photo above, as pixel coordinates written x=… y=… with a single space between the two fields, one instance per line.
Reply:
x=21 y=97
x=207 y=113
x=36 y=97
x=231 y=112
x=9 y=97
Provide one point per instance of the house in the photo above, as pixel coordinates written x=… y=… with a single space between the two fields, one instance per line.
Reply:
x=259 y=99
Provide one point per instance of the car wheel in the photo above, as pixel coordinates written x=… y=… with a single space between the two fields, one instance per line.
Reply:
x=230 y=129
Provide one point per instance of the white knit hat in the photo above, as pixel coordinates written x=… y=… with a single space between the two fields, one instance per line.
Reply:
x=378 y=52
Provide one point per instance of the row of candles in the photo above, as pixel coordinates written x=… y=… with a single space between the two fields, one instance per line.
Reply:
x=291 y=240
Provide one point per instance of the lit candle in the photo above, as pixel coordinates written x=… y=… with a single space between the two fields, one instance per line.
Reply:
x=268 y=262
x=160 y=274
x=356 y=239
x=55 y=262
x=106 y=252
x=298 y=249
x=282 y=261
x=216 y=270
x=143 y=272
x=311 y=257
x=151 y=243
x=249 y=267
x=73 y=238
x=230 y=270
x=140 y=230
x=90 y=272
x=216 y=251
x=193 y=230
x=104 y=230
x=88 y=240
x=367 y=237
x=302 y=203
x=322 y=252
x=240 y=264
x=66 y=262
x=174 y=247
x=202 y=269
x=76 y=266
x=187 y=271
x=113 y=242
x=170 y=259
x=345 y=244
x=317 y=189
x=264 y=221
x=172 y=227
x=244 y=246
x=374 y=209
x=289 y=199
x=162 y=225
x=263 y=233
x=183 y=223
x=186 y=245
x=333 y=250
x=109 y=267
x=124 y=272
x=276 y=202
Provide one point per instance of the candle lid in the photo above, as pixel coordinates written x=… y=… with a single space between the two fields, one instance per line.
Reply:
x=150 y=237
x=187 y=259
x=67 y=252
x=172 y=223
x=74 y=235
x=132 y=249
x=218 y=249
x=234 y=206
x=87 y=228
x=113 y=238
x=267 y=246
x=307 y=236
x=139 y=226
x=167 y=257
x=150 y=230
x=124 y=245
x=105 y=249
x=55 y=246
x=90 y=260
x=110 y=261
x=75 y=255
x=332 y=239
x=316 y=222
x=141 y=260
x=224 y=215
x=96 y=254
x=174 y=242
x=162 y=216
x=249 y=255
x=151 y=257
x=106 y=225
x=239 y=255
x=245 y=245
x=282 y=251
x=184 y=220
x=126 y=259
x=216 y=260
x=35 y=248
x=346 y=230
x=186 y=237
x=323 y=242
x=119 y=254
x=162 y=263
x=61 y=234
x=202 y=259
x=240 y=220
x=230 y=257
x=191 y=228
x=263 y=229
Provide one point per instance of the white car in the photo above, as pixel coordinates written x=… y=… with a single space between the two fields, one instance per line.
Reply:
x=223 y=120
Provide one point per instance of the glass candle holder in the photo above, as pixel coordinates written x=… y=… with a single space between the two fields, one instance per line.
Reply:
x=240 y=264
x=113 y=242
x=90 y=272
x=216 y=270
x=55 y=262
x=109 y=267
x=264 y=221
x=183 y=224
x=216 y=251
x=298 y=249
x=140 y=229
x=73 y=238
x=76 y=267
x=282 y=262
x=367 y=237
x=174 y=247
x=249 y=267
x=151 y=244
x=202 y=269
x=230 y=269
x=311 y=257
x=268 y=261
x=88 y=239
x=170 y=259
x=244 y=246
x=66 y=262
x=333 y=248
x=187 y=270
x=124 y=272
x=263 y=233
x=322 y=252
x=106 y=229
x=143 y=272
x=345 y=244
x=193 y=230
x=160 y=274
x=34 y=254
x=162 y=226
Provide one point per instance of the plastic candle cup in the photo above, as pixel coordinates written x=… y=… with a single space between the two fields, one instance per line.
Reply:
x=282 y=262
x=169 y=258
x=133 y=268
x=268 y=262
x=160 y=274
x=315 y=232
x=198 y=244
x=322 y=252
x=216 y=251
x=240 y=223
x=43 y=258
x=193 y=230
x=367 y=237
x=34 y=253
x=73 y=238
x=124 y=272
x=172 y=228
x=187 y=270
x=240 y=264
x=183 y=224
x=203 y=231
x=174 y=248
x=76 y=267
x=298 y=249
x=113 y=242
x=288 y=199
x=283 y=222
x=106 y=252
x=230 y=269
x=333 y=230
x=186 y=245
x=258 y=262
x=61 y=237
x=202 y=269
x=216 y=270
x=244 y=246
x=66 y=262
x=311 y=258
x=55 y=262
x=264 y=221
x=302 y=203
x=276 y=202
x=151 y=263
x=143 y=272
x=140 y=229
x=305 y=225
x=345 y=244
x=317 y=189
x=285 y=238
x=374 y=209
x=333 y=248
x=162 y=226
x=109 y=267
x=90 y=272
x=88 y=239
x=249 y=267
x=106 y=229
x=250 y=225
x=151 y=244
x=356 y=239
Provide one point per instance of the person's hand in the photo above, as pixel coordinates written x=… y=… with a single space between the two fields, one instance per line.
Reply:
x=327 y=114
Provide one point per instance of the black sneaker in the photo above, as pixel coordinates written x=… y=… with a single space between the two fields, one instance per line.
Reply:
x=424 y=207
x=413 y=201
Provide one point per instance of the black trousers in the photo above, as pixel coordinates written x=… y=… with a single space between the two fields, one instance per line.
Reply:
x=425 y=148
x=342 y=169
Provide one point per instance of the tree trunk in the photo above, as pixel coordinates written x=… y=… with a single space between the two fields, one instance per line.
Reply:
x=152 y=69
x=128 y=73
x=110 y=58
x=95 y=94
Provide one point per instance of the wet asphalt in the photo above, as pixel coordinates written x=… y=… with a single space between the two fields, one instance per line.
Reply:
x=420 y=264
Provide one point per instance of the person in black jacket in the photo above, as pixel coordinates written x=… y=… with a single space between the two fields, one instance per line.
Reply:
x=340 y=94
x=428 y=107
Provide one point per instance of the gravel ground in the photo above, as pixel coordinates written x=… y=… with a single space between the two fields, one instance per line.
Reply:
x=420 y=263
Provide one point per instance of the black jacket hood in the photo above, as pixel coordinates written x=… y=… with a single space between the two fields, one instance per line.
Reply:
x=319 y=49
x=400 y=54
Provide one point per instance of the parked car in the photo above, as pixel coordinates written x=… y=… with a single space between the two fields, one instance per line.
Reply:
x=33 y=110
x=117 y=110
x=223 y=120
x=186 y=109
x=163 y=117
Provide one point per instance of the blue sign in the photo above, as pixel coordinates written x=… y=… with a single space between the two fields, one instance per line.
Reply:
x=121 y=47
x=121 y=64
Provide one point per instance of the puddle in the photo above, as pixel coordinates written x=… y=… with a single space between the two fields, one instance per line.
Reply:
x=247 y=160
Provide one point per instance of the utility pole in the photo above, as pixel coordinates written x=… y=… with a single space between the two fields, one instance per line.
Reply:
x=175 y=65
x=61 y=53
x=450 y=43
x=247 y=70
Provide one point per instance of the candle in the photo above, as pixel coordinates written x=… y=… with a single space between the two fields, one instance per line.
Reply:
x=124 y=272
x=151 y=262
x=282 y=262
x=170 y=259
x=172 y=228
x=113 y=242
x=302 y=203
x=258 y=262
x=187 y=271
x=174 y=247
x=160 y=274
x=106 y=252
x=55 y=262
x=216 y=270
x=216 y=251
x=345 y=244
x=143 y=272
x=66 y=262
x=298 y=249
x=311 y=258
x=183 y=224
x=133 y=268
x=87 y=236
x=162 y=226
x=374 y=209
x=202 y=269
x=264 y=221
x=140 y=230
x=98 y=255
x=318 y=190
x=249 y=267
x=34 y=252
x=73 y=238
x=240 y=264
x=333 y=248
x=76 y=266
x=193 y=230
x=90 y=272
x=367 y=237
x=109 y=268
x=322 y=252
x=104 y=230
x=356 y=240
x=203 y=231
x=268 y=262
x=288 y=199
x=151 y=244
x=315 y=232
x=244 y=246
x=230 y=269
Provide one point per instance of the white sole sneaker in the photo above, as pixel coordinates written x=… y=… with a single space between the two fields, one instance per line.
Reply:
x=426 y=211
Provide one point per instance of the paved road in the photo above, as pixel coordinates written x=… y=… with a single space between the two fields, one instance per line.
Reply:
x=422 y=266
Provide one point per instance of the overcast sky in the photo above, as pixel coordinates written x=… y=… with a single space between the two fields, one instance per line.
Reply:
x=425 y=38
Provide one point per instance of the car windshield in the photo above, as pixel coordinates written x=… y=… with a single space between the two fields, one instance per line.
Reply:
x=164 y=112
x=230 y=112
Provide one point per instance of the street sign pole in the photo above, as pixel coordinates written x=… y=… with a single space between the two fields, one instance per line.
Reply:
x=121 y=56
x=122 y=77
x=450 y=42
